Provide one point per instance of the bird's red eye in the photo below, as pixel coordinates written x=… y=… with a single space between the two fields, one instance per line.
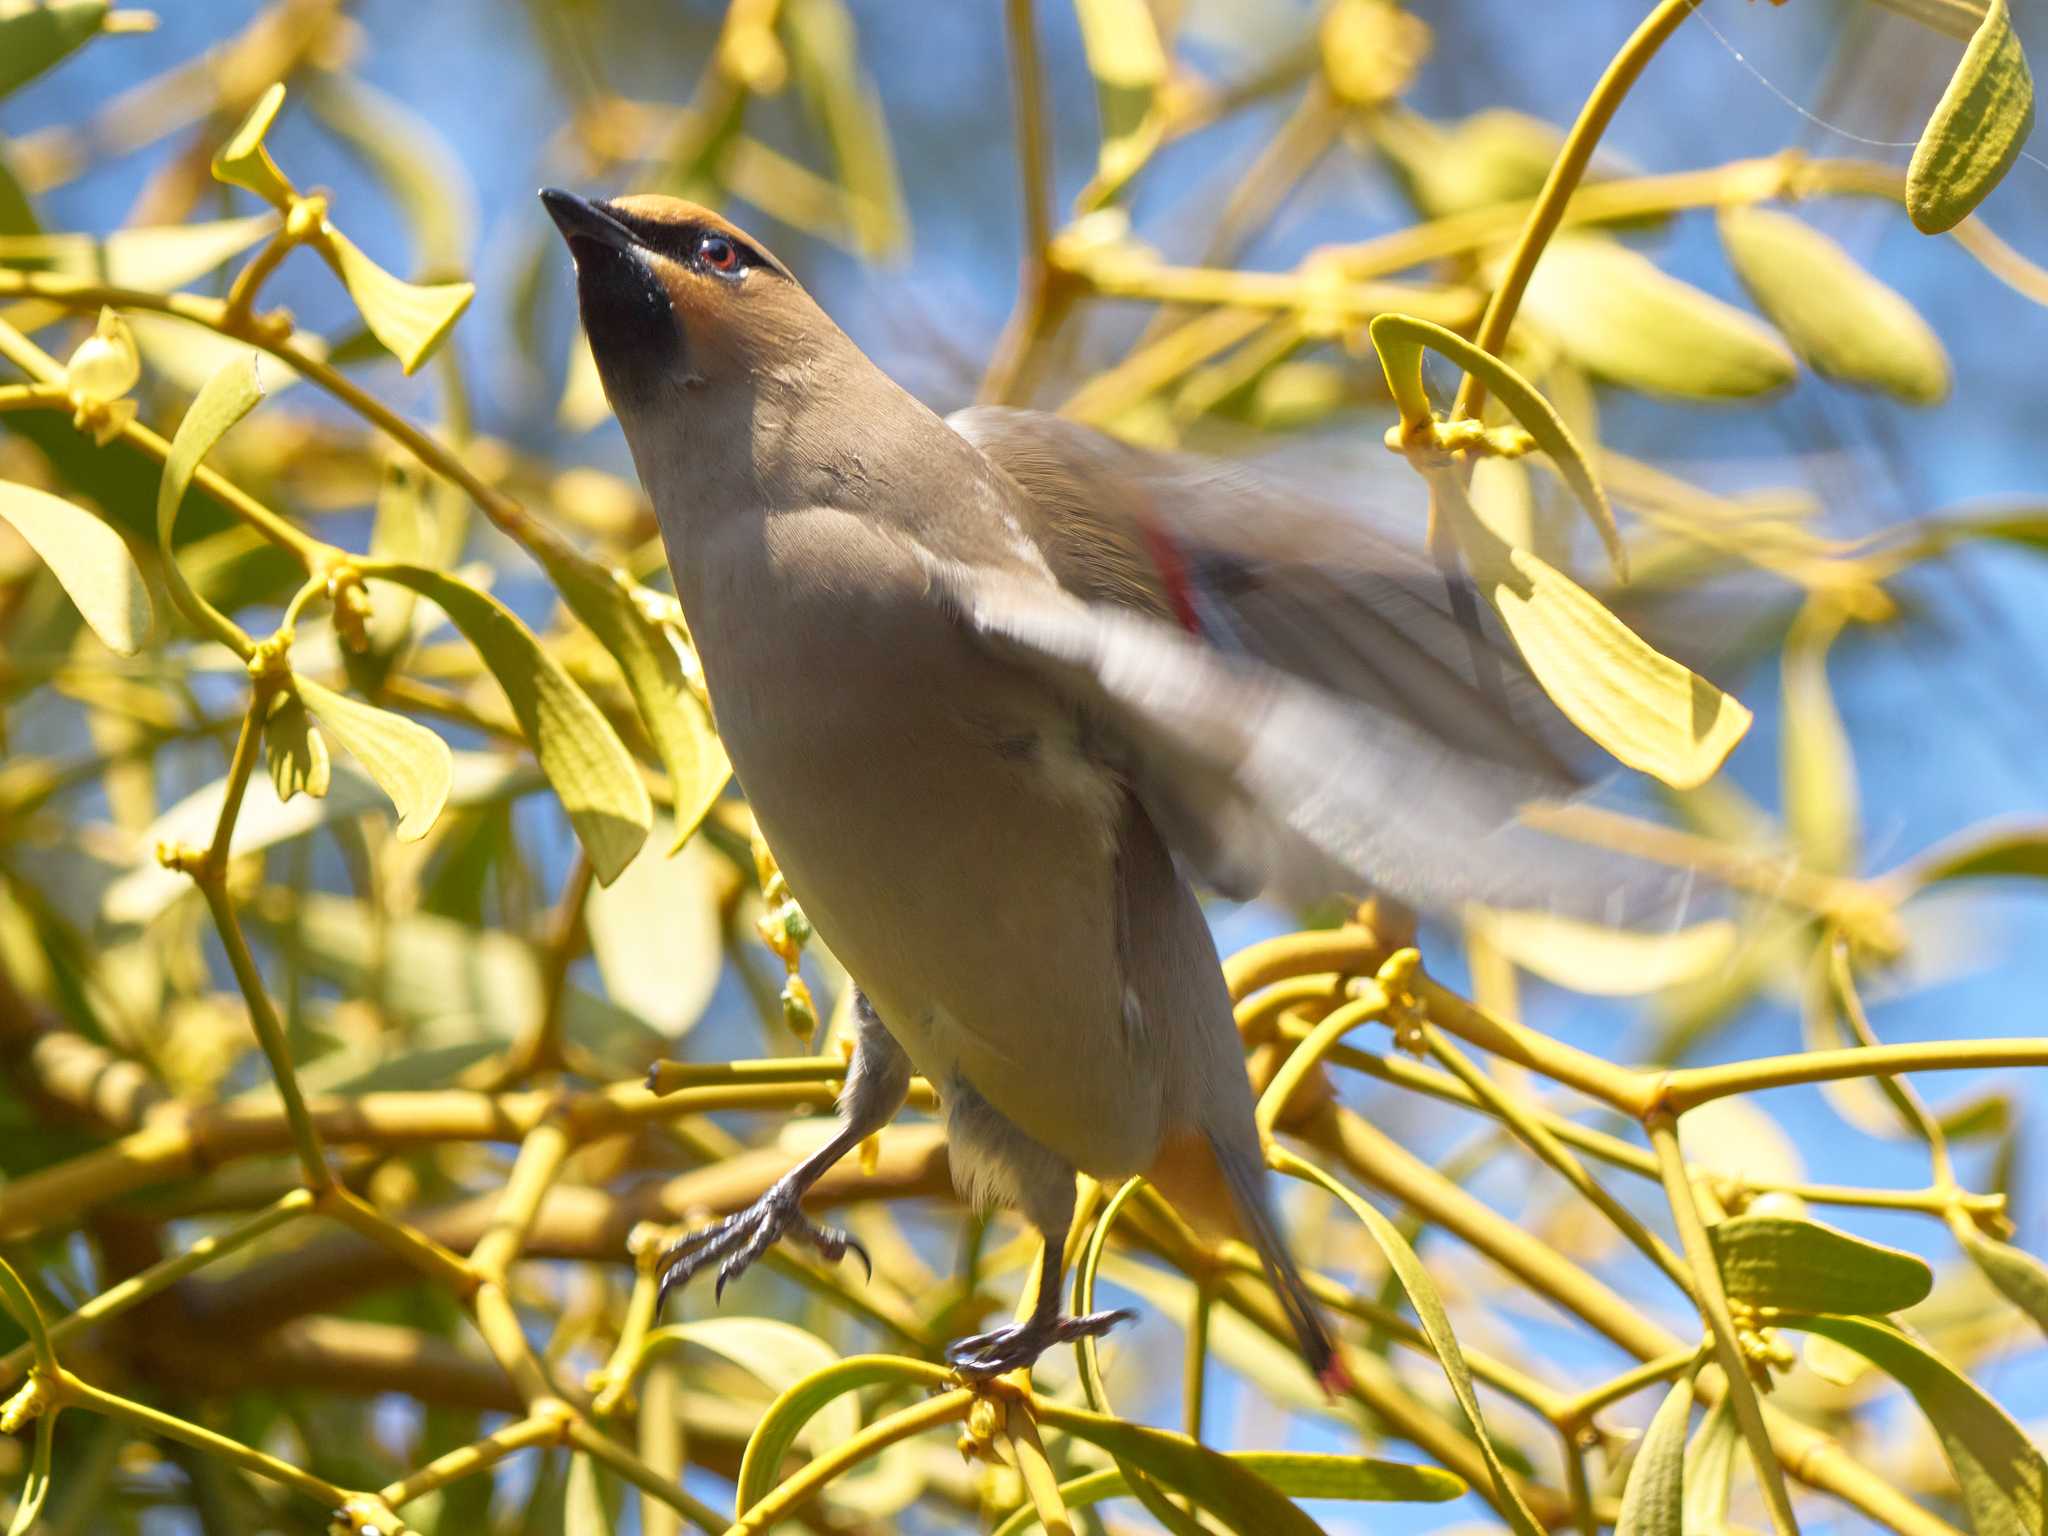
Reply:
x=719 y=253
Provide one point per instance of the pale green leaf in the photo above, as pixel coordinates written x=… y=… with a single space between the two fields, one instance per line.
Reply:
x=2020 y=1277
x=1978 y=128
x=1495 y=156
x=583 y=404
x=409 y=762
x=1797 y=1265
x=658 y=936
x=591 y=770
x=1709 y=1472
x=779 y=1355
x=227 y=397
x=1817 y=767
x=90 y=561
x=1436 y=1323
x=842 y=99
x=36 y=1489
x=761 y=1466
x=645 y=653
x=2004 y=1481
x=1652 y=1499
x=1649 y=711
x=1599 y=961
x=295 y=750
x=154 y=258
x=588 y=1498
x=2011 y=850
x=1239 y=1499
x=1616 y=315
x=1836 y=1364
x=244 y=162
x=410 y=319
x=1399 y=340
x=1298 y=1474
x=1845 y=323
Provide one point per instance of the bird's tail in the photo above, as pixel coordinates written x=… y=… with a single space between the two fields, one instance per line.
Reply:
x=1219 y=1184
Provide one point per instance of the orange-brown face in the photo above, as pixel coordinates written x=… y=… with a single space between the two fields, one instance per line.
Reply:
x=669 y=290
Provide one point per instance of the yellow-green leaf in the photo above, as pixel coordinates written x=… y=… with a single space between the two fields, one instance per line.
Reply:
x=244 y=162
x=2014 y=850
x=1797 y=1265
x=33 y=37
x=409 y=762
x=226 y=398
x=777 y=1432
x=779 y=1355
x=2020 y=1277
x=408 y=318
x=1616 y=315
x=156 y=258
x=1977 y=130
x=586 y=1499
x=1298 y=1474
x=583 y=404
x=1652 y=1501
x=37 y=1486
x=1495 y=156
x=1845 y=323
x=658 y=936
x=1436 y=1323
x=843 y=101
x=1646 y=709
x=1239 y=1498
x=1604 y=962
x=1709 y=1470
x=1129 y=65
x=1818 y=769
x=578 y=750
x=1399 y=340
x=646 y=655
x=2004 y=1480
x=89 y=560
x=295 y=750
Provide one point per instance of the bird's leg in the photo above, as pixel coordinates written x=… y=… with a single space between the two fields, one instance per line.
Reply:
x=1020 y=1344
x=877 y=1079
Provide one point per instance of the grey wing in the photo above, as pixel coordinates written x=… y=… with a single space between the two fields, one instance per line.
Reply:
x=1267 y=782
x=1257 y=568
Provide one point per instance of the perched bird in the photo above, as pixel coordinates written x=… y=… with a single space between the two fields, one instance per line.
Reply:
x=998 y=689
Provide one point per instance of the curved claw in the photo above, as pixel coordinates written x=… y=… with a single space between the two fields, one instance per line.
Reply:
x=855 y=1247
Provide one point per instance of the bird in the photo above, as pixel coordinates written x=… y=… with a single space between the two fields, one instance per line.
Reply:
x=1002 y=693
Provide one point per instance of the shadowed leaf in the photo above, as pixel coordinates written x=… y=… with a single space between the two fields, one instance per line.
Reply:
x=1796 y=1265
x=1652 y=1502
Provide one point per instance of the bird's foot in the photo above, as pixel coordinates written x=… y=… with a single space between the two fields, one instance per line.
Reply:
x=1006 y=1349
x=743 y=1237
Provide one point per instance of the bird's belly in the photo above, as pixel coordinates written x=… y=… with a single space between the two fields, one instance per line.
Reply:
x=943 y=832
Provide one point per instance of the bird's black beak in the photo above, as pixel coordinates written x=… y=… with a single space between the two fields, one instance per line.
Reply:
x=580 y=219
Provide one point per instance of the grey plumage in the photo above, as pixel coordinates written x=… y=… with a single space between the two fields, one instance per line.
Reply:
x=989 y=685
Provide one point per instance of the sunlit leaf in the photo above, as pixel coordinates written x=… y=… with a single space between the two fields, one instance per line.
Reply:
x=828 y=74
x=786 y=1417
x=409 y=762
x=1819 y=772
x=1298 y=1474
x=2020 y=1277
x=1436 y=1323
x=2003 y=1478
x=1129 y=65
x=244 y=162
x=90 y=561
x=1616 y=315
x=1978 y=128
x=646 y=655
x=1399 y=339
x=228 y=396
x=583 y=404
x=409 y=318
x=779 y=1355
x=657 y=936
x=1796 y=1265
x=1239 y=1498
x=295 y=750
x=578 y=750
x=1652 y=1501
x=1649 y=711
x=1709 y=1470
x=588 y=1498
x=1604 y=962
x=1845 y=323
x=1836 y=1364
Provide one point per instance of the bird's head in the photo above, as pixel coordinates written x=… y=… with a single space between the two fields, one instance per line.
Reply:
x=675 y=299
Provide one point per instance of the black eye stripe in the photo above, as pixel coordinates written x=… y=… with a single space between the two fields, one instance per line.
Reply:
x=682 y=242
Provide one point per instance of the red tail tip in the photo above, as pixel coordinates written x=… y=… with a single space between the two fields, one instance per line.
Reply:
x=1336 y=1379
